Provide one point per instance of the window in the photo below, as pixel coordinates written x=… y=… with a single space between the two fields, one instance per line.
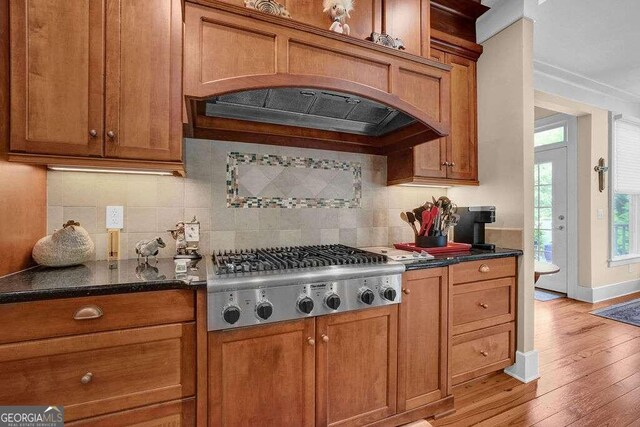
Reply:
x=625 y=194
x=549 y=136
x=542 y=211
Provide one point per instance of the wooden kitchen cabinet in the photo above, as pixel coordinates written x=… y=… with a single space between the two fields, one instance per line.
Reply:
x=356 y=367
x=144 y=79
x=423 y=348
x=97 y=83
x=111 y=360
x=409 y=20
x=263 y=375
x=452 y=159
x=57 y=70
x=482 y=331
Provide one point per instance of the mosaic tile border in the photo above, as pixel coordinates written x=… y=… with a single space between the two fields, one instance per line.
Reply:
x=234 y=159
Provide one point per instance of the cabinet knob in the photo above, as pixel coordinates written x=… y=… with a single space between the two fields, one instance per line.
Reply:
x=484 y=268
x=483 y=305
x=452 y=164
x=93 y=133
x=325 y=338
x=406 y=291
x=445 y=163
x=311 y=341
x=88 y=312
x=86 y=378
x=484 y=353
x=111 y=134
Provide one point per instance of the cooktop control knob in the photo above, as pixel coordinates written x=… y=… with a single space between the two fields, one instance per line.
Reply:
x=305 y=305
x=264 y=310
x=231 y=314
x=388 y=293
x=332 y=301
x=367 y=296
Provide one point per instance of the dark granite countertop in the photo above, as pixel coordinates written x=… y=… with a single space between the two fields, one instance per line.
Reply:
x=455 y=258
x=95 y=278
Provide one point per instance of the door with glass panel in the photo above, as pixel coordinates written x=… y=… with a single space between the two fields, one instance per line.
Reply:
x=550 y=205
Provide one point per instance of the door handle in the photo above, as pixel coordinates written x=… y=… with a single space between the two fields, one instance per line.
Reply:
x=560 y=227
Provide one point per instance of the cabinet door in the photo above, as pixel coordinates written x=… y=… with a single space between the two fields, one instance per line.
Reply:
x=462 y=150
x=423 y=338
x=144 y=79
x=429 y=159
x=356 y=367
x=262 y=376
x=57 y=67
x=409 y=20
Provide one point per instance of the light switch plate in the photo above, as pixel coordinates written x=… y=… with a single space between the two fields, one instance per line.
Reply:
x=600 y=213
x=115 y=217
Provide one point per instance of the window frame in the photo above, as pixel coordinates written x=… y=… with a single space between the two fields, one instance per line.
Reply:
x=634 y=207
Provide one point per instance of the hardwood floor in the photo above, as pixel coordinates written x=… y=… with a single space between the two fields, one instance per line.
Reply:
x=590 y=375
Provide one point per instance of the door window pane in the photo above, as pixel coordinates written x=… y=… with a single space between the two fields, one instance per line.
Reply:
x=550 y=136
x=543 y=212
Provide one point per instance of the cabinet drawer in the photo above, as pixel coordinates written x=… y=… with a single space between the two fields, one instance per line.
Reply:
x=179 y=413
x=483 y=304
x=101 y=373
x=475 y=271
x=481 y=352
x=74 y=316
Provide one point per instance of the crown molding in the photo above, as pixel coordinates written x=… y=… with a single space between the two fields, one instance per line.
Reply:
x=502 y=14
x=551 y=79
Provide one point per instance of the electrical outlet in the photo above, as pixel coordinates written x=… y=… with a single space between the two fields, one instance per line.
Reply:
x=115 y=217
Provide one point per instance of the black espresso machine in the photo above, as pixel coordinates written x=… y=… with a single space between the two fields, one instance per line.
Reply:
x=470 y=227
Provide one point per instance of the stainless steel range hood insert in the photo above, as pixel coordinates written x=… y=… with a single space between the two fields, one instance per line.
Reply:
x=309 y=108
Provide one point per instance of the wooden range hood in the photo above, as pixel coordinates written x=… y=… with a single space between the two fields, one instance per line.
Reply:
x=230 y=51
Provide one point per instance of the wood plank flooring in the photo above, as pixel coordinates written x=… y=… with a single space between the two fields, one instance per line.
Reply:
x=590 y=375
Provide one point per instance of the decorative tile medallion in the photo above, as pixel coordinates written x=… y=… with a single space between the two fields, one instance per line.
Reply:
x=270 y=181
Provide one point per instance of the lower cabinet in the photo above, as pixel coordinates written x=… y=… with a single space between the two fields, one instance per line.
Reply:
x=337 y=370
x=356 y=367
x=178 y=413
x=423 y=343
x=263 y=376
x=101 y=373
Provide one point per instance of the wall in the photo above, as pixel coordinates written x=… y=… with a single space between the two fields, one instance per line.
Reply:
x=154 y=204
x=506 y=155
x=593 y=237
x=22 y=188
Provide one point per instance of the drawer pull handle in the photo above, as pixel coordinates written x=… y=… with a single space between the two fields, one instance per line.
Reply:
x=88 y=312
x=484 y=268
x=484 y=353
x=406 y=291
x=311 y=341
x=325 y=338
x=483 y=305
x=86 y=378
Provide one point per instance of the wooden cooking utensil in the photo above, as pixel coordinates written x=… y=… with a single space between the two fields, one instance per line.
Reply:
x=410 y=219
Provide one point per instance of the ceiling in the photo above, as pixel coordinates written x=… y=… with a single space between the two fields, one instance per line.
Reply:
x=593 y=39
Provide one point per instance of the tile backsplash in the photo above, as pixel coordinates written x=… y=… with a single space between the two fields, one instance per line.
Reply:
x=153 y=204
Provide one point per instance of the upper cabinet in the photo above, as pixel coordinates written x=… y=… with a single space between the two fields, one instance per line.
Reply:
x=409 y=21
x=144 y=79
x=57 y=77
x=97 y=83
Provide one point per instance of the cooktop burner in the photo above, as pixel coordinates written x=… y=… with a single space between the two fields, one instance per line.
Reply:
x=250 y=260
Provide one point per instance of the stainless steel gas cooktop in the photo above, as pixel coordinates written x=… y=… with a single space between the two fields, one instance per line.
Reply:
x=256 y=286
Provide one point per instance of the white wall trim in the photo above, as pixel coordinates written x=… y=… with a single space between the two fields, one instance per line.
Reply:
x=603 y=293
x=526 y=368
x=554 y=80
x=502 y=14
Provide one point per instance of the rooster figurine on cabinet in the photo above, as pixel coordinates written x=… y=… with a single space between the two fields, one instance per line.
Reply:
x=338 y=11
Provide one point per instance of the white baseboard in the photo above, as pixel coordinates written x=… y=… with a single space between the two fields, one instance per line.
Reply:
x=526 y=368
x=603 y=293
